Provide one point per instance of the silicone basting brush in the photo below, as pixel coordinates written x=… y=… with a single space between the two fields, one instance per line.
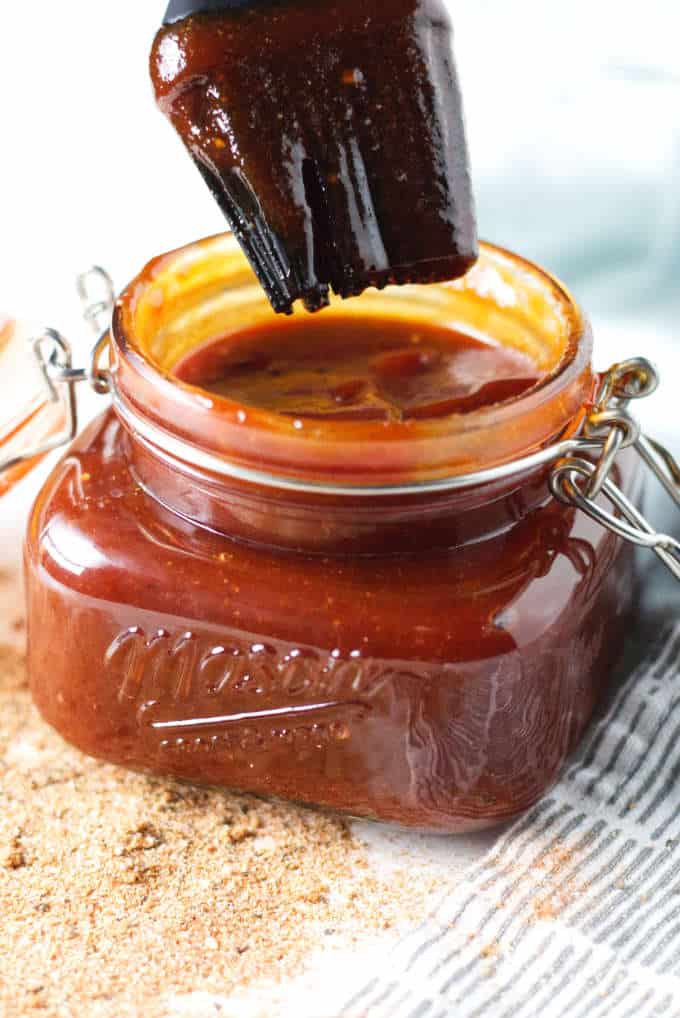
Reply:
x=331 y=134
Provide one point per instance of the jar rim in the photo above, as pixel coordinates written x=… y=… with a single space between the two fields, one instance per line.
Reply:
x=261 y=446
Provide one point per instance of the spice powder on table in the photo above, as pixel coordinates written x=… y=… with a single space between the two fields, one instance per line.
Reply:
x=118 y=890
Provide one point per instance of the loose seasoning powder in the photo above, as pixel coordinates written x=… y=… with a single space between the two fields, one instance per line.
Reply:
x=119 y=891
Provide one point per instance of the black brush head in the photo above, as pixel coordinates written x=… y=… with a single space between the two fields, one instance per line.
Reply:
x=179 y=9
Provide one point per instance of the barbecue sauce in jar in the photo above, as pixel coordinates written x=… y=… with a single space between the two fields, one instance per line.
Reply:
x=230 y=583
x=331 y=135
x=359 y=368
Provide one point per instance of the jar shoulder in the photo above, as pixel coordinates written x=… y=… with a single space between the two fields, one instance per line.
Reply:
x=96 y=533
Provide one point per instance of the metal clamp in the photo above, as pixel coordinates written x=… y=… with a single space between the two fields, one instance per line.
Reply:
x=54 y=355
x=97 y=295
x=577 y=481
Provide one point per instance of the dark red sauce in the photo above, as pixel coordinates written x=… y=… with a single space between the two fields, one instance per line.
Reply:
x=331 y=135
x=441 y=689
x=428 y=657
x=359 y=368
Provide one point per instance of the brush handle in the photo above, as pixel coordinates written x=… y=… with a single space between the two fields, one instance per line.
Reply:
x=179 y=9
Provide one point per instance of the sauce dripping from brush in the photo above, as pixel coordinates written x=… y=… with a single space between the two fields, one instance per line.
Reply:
x=332 y=137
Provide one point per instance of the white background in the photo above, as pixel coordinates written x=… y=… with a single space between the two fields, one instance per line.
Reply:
x=573 y=114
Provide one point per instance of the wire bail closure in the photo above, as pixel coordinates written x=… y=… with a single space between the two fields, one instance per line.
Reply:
x=54 y=356
x=581 y=466
x=577 y=481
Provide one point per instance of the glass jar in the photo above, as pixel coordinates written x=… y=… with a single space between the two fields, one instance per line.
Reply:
x=395 y=621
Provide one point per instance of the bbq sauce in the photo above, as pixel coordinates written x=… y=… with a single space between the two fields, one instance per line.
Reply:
x=359 y=368
x=331 y=135
x=288 y=607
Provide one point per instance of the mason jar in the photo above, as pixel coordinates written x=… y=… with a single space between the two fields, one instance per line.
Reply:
x=397 y=621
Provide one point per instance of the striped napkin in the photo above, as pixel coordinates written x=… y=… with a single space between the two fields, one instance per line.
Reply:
x=576 y=911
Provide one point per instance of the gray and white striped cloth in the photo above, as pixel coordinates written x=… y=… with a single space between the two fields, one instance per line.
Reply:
x=576 y=911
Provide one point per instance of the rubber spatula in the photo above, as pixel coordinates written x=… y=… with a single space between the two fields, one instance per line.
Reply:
x=331 y=134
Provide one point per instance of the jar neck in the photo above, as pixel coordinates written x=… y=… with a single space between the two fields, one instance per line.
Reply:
x=332 y=525
x=234 y=461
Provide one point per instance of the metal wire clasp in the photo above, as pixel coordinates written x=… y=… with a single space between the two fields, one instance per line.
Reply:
x=54 y=356
x=578 y=481
x=98 y=296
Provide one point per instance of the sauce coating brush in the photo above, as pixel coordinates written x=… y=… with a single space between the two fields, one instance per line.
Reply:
x=331 y=134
